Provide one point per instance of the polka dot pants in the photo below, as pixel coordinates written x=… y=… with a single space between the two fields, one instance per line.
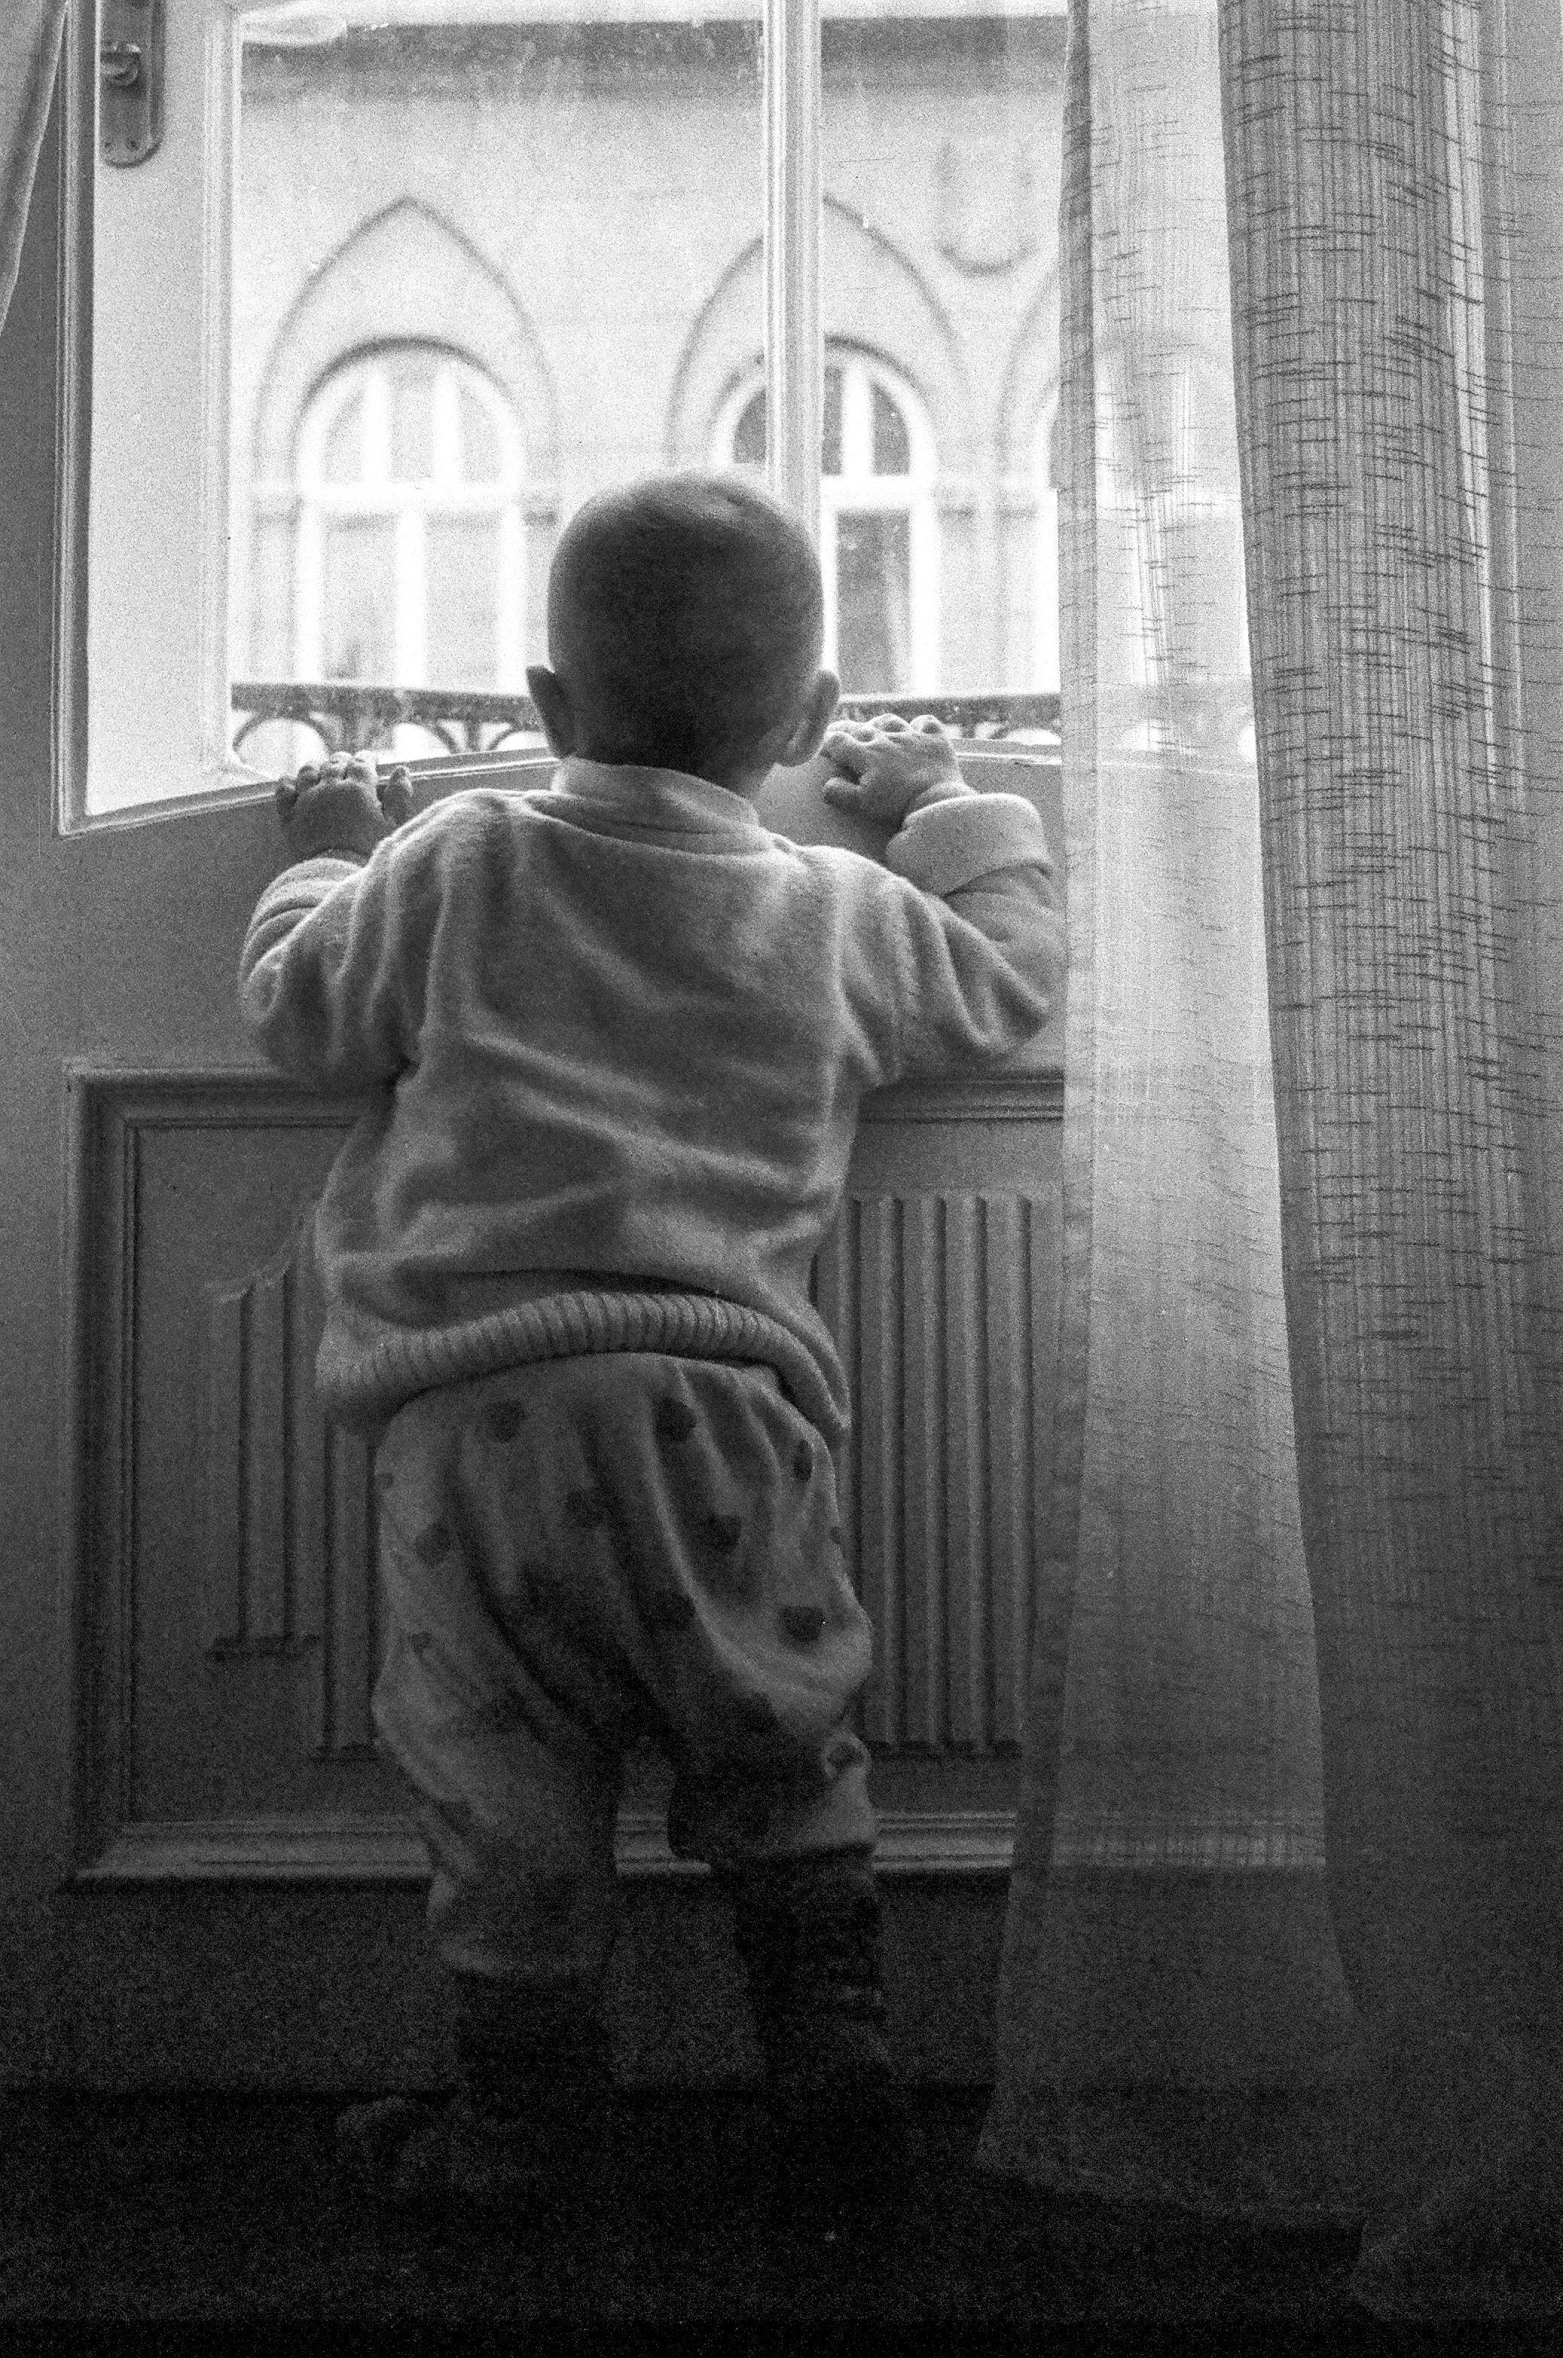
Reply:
x=583 y=1553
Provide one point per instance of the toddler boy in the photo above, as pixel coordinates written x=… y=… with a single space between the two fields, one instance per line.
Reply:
x=614 y=1036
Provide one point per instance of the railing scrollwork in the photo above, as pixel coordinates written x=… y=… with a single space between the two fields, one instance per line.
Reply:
x=1200 y=717
x=346 y=716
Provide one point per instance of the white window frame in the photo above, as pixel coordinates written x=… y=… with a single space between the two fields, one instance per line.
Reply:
x=157 y=661
x=146 y=729
x=155 y=700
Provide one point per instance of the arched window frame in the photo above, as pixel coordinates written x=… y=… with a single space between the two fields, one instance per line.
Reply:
x=410 y=503
x=857 y=490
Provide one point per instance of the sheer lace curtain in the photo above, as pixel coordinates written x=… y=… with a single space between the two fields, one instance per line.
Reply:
x=29 y=46
x=1308 y=1412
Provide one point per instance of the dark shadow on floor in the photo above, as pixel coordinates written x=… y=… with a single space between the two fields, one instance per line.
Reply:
x=229 y=2211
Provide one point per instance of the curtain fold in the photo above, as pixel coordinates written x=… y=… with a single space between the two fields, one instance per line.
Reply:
x=30 y=33
x=1315 y=1048
x=1372 y=185
x=1173 y=2020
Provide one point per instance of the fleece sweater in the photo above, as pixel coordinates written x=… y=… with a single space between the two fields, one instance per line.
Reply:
x=612 y=1036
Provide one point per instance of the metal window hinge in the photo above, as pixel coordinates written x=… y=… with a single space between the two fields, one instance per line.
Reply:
x=130 y=70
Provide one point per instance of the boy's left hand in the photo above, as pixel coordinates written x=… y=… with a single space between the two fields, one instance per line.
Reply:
x=884 y=764
x=342 y=805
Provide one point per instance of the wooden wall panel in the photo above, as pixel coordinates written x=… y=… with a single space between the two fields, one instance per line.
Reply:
x=226 y=1628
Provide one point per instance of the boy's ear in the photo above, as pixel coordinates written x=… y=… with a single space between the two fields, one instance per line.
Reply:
x=815 y=718
x=553 y=709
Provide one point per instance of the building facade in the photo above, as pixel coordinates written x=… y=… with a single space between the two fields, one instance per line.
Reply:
x=485 y=271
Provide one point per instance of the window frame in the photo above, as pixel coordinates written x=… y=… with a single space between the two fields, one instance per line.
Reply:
x=146 y=715
x=149 y=703
x=144 y=724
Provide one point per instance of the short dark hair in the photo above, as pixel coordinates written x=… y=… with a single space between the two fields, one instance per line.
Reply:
x=685 y=617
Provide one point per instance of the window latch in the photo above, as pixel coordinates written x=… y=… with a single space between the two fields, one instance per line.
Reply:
x=130 y=69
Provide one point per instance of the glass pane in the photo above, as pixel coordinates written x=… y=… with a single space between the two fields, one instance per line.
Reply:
x=357 y=598
x=463 y=601
x=830 y=438
x=412 y=454
x=749 y=440
x=343 y=457
x=271 y=610
x=479 y=442
x=892 y=451
x=571 y=201
x=942 y=144
x=873 y=575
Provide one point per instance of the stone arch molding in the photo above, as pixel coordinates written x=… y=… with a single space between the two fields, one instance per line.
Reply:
x=406 y=276
x=874 y=298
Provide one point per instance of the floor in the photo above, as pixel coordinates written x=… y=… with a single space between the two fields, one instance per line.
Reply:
x=205 y=2221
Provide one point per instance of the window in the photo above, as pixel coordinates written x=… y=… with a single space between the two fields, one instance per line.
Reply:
x=878 y=533
x=408 y=556
x=508 y=232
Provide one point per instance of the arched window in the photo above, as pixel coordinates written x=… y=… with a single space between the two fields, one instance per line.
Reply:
x=879 y=529
x=409 y=563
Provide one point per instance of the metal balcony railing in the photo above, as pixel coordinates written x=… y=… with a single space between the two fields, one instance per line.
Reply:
x=348 y=717
x=1195 y=719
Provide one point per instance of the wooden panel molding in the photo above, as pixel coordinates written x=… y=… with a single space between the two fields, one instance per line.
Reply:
x=114 y=1118
x=223 y=1618
x=289 y=1530
x=389 y=1850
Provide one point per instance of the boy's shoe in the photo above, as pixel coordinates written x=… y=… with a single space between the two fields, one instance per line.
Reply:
x=451 y=2160
x=529 y=2124
x=807 y=1933
x=395 y=2148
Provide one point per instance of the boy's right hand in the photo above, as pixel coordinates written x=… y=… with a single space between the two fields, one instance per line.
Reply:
x=886 y=763
x=342 y=805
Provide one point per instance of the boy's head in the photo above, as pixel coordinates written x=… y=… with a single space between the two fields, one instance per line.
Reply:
x=684 y=625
